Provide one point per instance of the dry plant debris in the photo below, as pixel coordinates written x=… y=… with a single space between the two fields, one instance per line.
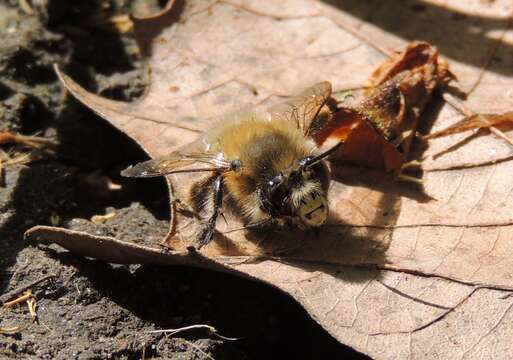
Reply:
x=27 y=298
x=20 y=299
x=19 y=296
x=9 y=330
x=379 y=131
x=102 y=218
x=477 y=121
x=453 y=252
x=210 y=330
x=4 y=299
x=24 y=149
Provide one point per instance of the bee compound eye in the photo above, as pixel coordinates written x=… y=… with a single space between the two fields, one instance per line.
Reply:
x=236 y=165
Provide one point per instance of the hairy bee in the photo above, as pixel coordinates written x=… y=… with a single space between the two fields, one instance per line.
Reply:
x=264 y=165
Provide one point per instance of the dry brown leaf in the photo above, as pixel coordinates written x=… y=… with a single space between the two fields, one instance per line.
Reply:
x=395 y=274
x=378 y=132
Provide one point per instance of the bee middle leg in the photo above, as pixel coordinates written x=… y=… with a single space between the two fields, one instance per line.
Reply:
x=207 y=232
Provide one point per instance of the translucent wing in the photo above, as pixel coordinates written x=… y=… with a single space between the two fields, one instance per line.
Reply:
x=193 y=158
x=304 y=108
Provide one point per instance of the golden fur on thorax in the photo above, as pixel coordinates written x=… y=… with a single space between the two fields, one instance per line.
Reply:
x=264 y=148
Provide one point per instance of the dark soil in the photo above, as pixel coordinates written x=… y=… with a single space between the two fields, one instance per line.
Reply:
x=91 y=309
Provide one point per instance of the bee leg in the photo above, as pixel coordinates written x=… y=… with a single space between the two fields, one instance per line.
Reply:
x=402 y=136
x=279 y=222
x=285 y=222
x=411 y=164
x=408 y=178
x=266 y=204
x=207 y=232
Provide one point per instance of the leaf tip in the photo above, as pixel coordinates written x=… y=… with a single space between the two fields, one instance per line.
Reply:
x=128 y=172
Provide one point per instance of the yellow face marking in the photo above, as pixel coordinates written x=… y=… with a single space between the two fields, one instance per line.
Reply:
x=313 y=210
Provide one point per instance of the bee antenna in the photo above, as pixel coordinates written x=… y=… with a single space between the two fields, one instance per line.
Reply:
x=309 y=161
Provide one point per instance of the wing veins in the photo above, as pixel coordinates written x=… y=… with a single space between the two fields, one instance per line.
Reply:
x=177 y=163
x=304 y=108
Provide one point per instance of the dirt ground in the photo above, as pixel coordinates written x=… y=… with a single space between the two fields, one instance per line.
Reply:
x=93 y=310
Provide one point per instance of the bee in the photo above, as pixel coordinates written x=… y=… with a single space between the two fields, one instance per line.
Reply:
x=263 y=165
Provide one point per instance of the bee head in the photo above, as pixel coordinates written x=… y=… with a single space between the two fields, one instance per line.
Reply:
x=300 y=193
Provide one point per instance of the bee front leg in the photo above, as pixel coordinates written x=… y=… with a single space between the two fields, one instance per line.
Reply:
x=276 y=222
x=266 y=204
x=207 y=232
x=409 y=165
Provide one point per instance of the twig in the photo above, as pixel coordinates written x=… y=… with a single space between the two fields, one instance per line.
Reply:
x=35 y=142
x=25 y=7
x=501 y=135
x=13 y=293
x=25 y=297
x=32 y=303
x=456 y=104
x=210 y=329
x=10 y=330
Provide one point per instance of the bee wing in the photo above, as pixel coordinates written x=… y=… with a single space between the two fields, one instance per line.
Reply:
x=303 y=108
x=192 y=159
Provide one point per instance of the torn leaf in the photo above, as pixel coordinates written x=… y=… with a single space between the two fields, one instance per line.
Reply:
x=379 y=131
